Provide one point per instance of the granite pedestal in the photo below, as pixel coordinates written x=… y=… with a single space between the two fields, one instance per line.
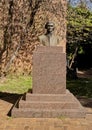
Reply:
x=49 y=97
x=49 y=70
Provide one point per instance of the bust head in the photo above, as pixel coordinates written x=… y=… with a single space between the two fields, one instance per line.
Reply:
x=49 y=26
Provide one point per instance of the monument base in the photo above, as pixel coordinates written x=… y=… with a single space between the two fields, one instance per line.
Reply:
x=50 y=97
x=48 y=106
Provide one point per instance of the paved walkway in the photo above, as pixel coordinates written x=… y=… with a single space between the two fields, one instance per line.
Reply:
x=9 y=123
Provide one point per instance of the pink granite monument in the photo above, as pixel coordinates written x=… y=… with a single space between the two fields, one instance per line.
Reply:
x=49 y=97
x=49 y=70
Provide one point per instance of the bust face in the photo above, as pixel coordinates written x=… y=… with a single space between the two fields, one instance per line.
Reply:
x=50 y=27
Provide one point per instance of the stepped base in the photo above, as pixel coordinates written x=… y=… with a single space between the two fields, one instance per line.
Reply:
x=48 y=106
x=46 y=113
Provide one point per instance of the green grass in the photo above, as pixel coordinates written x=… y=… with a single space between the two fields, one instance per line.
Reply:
x=16 y=84
x=21 y=84
x=80 y=87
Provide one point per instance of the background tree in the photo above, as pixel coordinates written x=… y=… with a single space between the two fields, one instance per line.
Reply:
x=79 y=30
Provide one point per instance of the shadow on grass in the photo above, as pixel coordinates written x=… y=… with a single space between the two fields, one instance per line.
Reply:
x=11 y=98
x=82 y=89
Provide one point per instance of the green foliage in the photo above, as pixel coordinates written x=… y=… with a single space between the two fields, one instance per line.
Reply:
x=16 y=84
x=79 y=28
x=81 y=51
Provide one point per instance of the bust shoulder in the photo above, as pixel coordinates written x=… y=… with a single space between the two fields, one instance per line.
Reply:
x=42 y=37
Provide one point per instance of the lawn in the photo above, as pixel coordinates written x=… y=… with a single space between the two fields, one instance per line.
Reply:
x=15 y=84
x=80 y=87
x=21 y=84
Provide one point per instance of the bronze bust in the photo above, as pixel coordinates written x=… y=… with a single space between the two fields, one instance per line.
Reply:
x=49 y=39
